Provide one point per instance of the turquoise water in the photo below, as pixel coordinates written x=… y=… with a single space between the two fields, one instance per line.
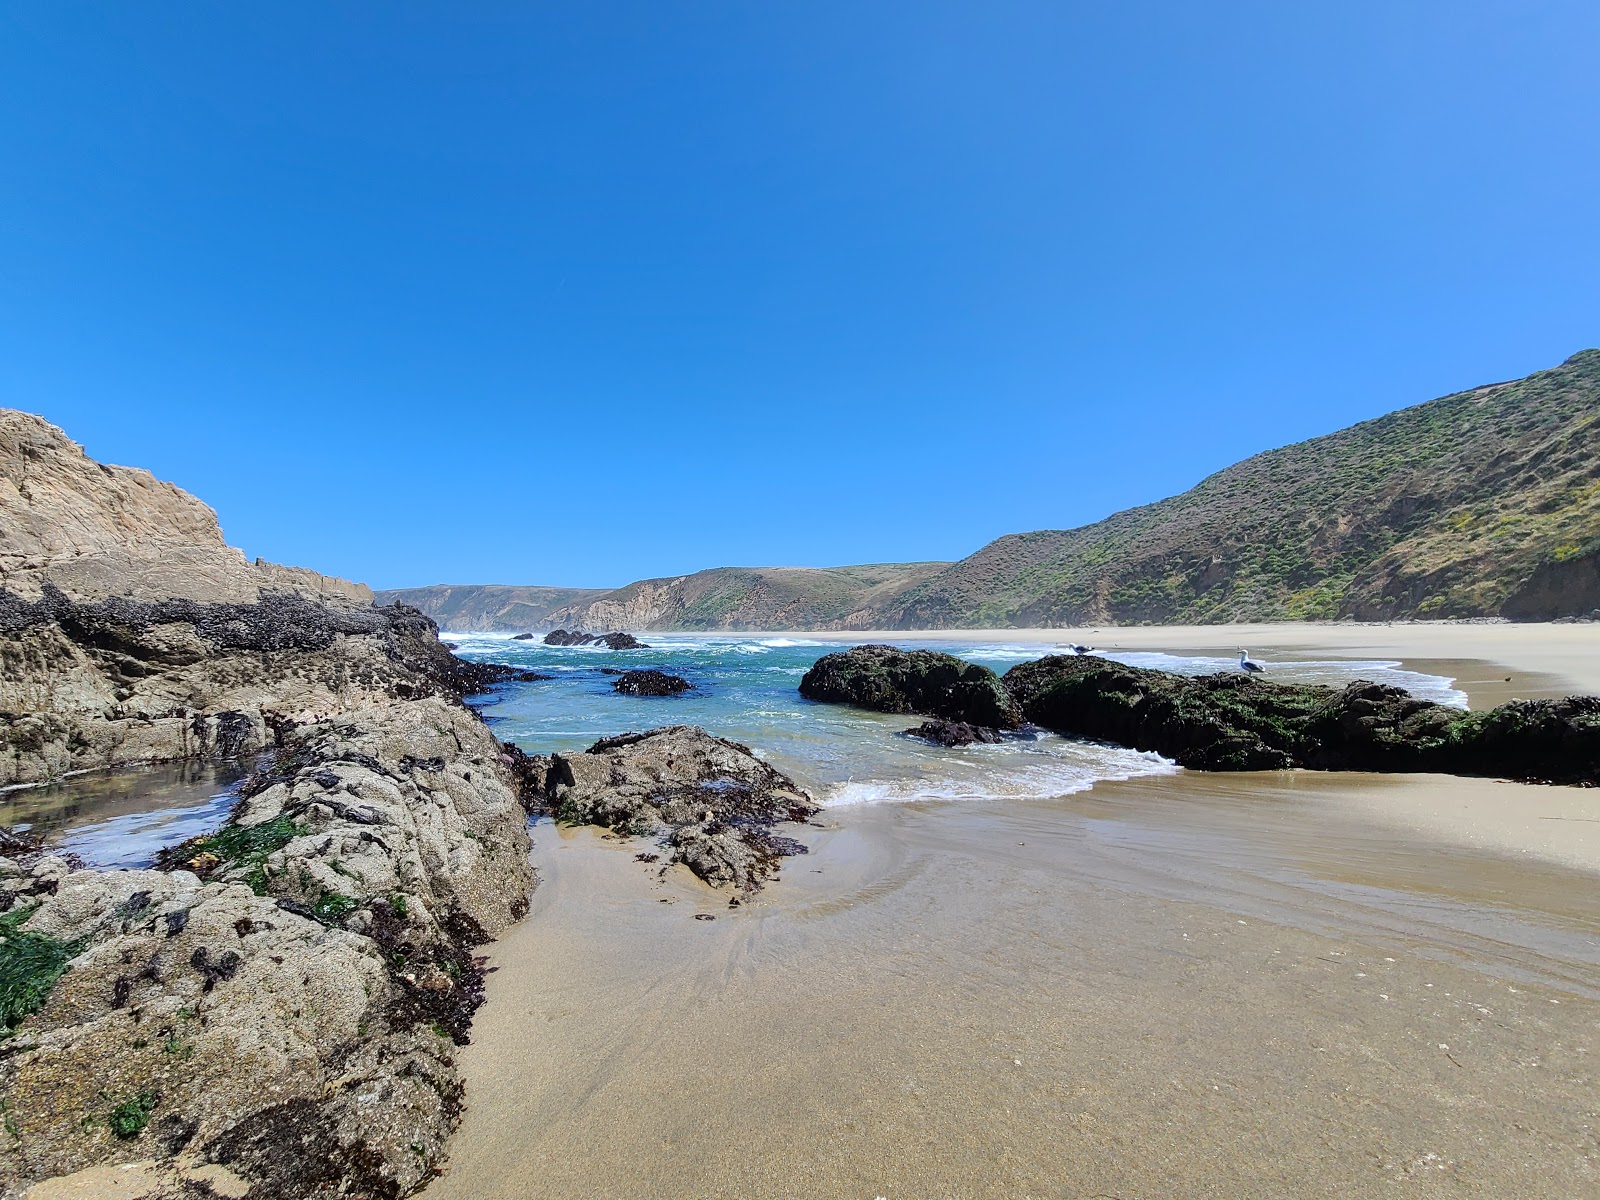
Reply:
x=745 y=689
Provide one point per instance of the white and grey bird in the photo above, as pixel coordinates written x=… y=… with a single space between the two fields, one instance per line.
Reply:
x=1077 y=649
x=1247 y=666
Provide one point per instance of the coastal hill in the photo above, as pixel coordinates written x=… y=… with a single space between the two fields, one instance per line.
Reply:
x=720 y=598
x=1478 y=504
x=491 y=606
x=1483 y=503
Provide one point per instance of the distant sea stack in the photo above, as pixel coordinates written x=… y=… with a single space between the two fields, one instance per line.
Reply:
x=1485 y=503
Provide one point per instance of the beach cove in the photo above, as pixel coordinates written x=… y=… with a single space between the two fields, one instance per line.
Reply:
x=1174 y=984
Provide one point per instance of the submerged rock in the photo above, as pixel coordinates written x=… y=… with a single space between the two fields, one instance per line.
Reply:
x=1234 y=722
x=922 y=682
x=714 y=802
x=940 y=732
x=650 y=683
x=523 y=637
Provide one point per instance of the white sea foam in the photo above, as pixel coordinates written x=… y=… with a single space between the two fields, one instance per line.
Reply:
x=1330 y=672
x=1042 y=777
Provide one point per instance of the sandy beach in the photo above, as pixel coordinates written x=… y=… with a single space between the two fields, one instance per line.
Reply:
x=1276 y=984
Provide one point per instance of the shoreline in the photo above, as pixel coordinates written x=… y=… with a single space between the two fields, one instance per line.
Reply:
x=1173 y=986
x=1543 y=660
x=1255 y=984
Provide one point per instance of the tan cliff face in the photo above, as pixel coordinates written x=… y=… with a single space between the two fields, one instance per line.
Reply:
x=96 y=531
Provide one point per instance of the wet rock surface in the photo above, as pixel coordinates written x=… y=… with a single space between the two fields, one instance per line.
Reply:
x=711 y=800
x=939 y=732
x=1233 y=722
x=612 y=641
x=650 y=683
x=920 y=682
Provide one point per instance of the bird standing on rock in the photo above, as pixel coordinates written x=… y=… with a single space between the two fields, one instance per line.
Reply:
x=1247 y=666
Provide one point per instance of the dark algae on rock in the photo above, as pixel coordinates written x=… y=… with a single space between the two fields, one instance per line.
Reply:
x=650 y=683
x=919 y=682
x=612 y=641
x=939 y=732
x=1233 y=722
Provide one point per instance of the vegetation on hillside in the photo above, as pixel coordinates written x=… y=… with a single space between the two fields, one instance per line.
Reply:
x=490 y=607
x=1482 y=503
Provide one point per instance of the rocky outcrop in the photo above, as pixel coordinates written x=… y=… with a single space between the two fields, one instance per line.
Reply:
x=1234 y=722
x=951 y=734
x=90 y=685
x=284 y=1000
x=612 y=641
x=921 y=682
x=279 y=1007
x=712 y=801
x=97 y=531
x=650 y=683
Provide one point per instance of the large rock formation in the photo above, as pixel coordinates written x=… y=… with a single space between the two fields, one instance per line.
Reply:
x=712 y=800
x=285 y=1001
x=924 y=682
x=1233 y=722
x=282 y=1002
x=96 y=531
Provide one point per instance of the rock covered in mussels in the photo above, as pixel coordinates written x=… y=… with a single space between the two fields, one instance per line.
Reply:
x=1233 y=722
x=712 y=799
x=298 y=978
x=650 y=683
x=921 y=682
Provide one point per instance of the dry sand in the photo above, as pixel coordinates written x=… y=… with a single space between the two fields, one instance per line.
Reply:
x=1273 y=985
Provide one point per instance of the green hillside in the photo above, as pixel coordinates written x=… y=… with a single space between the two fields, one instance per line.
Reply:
x=488 y=607
x=1482 y=503
x=751 y=598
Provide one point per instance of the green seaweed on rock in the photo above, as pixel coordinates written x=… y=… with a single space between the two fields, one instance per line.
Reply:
x=30 y=966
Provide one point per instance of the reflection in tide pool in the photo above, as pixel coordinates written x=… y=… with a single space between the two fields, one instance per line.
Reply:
x=121 y=818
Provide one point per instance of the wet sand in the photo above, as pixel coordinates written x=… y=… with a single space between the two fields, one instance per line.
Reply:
x=1157 y=989
x=1278 y=984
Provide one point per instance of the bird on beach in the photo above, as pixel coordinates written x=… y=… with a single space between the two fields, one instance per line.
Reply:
x=1077 y=649
x=1247 y=666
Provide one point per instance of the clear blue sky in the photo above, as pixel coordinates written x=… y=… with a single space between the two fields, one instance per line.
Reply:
x=579 y=293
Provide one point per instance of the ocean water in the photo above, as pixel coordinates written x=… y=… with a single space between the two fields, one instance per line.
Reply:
x=745 y=689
